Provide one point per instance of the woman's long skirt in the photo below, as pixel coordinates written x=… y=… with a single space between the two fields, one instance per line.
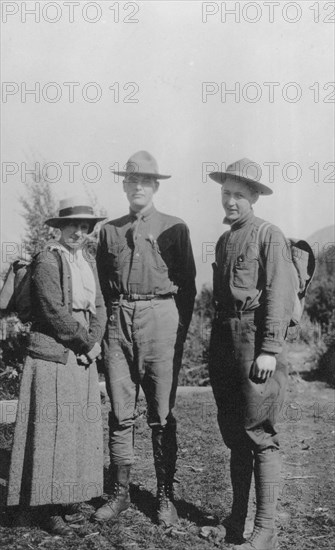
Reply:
x=57 y=454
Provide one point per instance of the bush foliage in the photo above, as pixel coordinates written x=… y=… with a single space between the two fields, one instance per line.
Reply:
x=320 y=300
x=320 y=306
x=12 y=355
x=195 y=360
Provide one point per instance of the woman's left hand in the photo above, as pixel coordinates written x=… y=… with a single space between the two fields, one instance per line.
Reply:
x=83 y=360
x=90 y=356
x=94 y=352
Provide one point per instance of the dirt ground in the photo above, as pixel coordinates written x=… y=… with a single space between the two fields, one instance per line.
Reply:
x=306 y=509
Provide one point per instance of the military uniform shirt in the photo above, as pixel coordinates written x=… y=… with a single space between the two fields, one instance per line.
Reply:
x=241 y=283
x=148 y=253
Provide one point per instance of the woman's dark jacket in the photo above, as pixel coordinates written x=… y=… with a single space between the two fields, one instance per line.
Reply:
x=54 y=330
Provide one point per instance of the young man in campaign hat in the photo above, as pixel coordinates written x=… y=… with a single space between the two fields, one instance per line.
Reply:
x=147 y=273
x=254 y=296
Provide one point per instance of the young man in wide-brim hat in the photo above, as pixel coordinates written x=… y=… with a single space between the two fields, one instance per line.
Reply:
x=254 y=295
x=147 y=272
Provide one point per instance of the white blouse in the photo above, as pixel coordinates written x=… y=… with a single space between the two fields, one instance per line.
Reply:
x=83 y=282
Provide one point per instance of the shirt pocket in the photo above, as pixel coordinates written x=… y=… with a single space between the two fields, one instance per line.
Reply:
x=161 y=255
x=117 y=256
x=244 y=274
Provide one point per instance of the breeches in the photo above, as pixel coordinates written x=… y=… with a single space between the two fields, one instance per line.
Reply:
x=247 y=411
x=141 y=347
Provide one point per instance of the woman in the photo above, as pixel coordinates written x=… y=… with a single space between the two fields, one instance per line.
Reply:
x=57 y=457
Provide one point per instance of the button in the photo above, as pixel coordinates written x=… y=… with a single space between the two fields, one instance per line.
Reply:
x=137 y=254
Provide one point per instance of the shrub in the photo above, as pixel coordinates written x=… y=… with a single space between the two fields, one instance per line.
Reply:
x=320 y=300
x=195 y=360
x=326 y=365
x=12 y=355
x=307 y=331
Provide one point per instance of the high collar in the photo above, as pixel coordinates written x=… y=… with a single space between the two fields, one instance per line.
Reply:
x=244 y=220
x=144 y=214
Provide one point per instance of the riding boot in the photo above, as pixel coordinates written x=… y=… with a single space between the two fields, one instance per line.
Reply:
x=165 y=455
x=170 y=449
x=267 y=478
x=241 y=466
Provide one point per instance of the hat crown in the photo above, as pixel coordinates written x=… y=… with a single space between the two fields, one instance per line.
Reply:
x=142 y=162
x=75 y=201
x=245 y=168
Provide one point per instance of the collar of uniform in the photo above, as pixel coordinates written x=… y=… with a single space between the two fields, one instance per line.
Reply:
x=242 y=221
x=143 y=215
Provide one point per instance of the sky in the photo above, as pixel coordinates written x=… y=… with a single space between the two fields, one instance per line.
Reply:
x=112 y=78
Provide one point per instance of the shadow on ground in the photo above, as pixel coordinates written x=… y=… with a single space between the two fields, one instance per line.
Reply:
x=325 y=369
x=145 y=502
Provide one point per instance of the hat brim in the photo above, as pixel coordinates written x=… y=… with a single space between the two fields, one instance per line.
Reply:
x=57 y=222
x=220 y=177
x=154 y=176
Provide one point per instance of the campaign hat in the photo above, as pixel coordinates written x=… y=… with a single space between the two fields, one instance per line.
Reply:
x=142 y=163
x=244 y=170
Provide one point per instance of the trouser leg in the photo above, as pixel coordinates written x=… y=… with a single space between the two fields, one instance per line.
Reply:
x=158 y=368
x=247 y=413
x=122 y=388
x=122 y=383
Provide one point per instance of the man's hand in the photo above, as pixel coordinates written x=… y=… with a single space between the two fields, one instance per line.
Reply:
x=263 y=368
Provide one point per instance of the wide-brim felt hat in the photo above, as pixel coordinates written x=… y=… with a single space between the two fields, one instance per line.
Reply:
x=142 y=163
x=74 y=208
x=244 y=170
